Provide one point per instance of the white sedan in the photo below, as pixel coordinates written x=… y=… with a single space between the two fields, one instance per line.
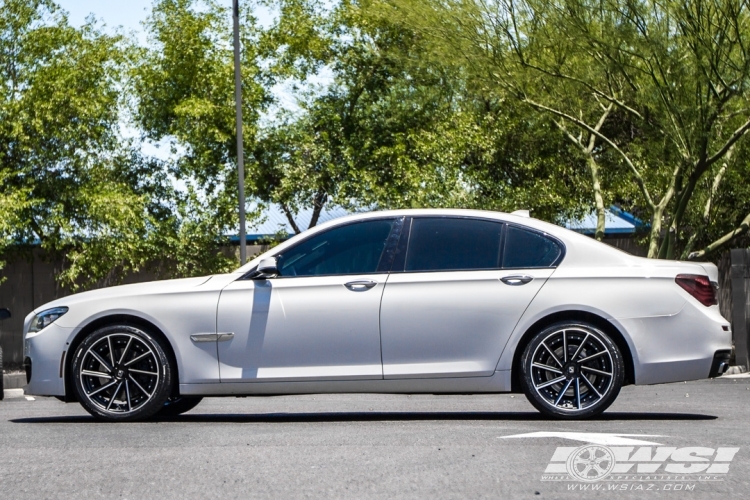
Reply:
x=411 y=301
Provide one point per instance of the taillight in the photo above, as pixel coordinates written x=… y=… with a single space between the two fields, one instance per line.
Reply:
x=699 y=287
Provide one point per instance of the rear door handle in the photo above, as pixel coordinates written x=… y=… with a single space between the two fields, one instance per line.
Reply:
x=516 y=280
x=358 y=286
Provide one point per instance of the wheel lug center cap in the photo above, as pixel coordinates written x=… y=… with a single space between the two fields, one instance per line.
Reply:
x=570 y=370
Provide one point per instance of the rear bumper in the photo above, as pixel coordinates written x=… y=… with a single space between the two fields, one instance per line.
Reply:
x=678 y=347
x=721 y=363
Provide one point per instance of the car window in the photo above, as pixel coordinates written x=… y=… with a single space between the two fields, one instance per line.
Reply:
x=350 y=249
x=453 y=244
x=526 y=249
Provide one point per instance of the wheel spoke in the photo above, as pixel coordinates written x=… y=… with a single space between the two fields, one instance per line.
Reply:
x=111 y=352
x=578 y=393
x=125 y=351
x=562 y=392
x=580 y=347
x=606 y=374
x=100 y=389
x=550 y=382
x=565 y=347
x=137 y=358
x=600 y=353
x=143 y=372
x=101 y=360
x=114 y=394
x=127 y=394
x=552 y=354
x=591 y=386
x=546 y=367
x=90 y=373
x=144 y=391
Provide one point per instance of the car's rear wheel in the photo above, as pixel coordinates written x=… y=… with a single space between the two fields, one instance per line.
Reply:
x=571 y=370
x=122 y=373
x=177 y=405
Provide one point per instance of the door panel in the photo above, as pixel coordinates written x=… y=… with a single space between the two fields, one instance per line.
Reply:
x=448 y=324
x=301 y=328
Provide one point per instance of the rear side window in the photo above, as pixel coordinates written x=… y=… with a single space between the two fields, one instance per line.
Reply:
x=526 y=249
x=453 y=244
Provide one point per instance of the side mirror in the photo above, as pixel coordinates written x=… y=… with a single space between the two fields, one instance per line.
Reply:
x=267 y=268
x=4 y=313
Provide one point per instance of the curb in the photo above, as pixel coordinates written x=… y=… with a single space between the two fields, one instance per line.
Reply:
x=14 y=380
x=13 y=393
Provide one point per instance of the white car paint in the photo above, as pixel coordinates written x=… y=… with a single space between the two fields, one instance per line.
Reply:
x=411 y=332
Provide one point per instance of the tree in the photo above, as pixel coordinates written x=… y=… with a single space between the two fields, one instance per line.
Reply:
x=397 y=127
x=184 y=96
x=660 y=86
x=62 y=159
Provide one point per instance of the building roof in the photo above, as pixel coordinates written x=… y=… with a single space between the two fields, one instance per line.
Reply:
x=273 y=221
x=616 y=221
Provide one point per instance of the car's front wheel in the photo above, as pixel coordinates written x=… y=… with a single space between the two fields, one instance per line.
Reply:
x=122 y=373
x=571 y=370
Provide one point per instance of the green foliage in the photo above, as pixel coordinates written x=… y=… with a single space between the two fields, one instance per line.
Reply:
x=183 y=88
x=61 y=155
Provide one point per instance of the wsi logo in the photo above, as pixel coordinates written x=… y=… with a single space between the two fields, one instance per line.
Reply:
x=621 y=457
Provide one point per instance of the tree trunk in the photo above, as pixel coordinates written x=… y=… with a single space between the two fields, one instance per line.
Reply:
x=601 y=213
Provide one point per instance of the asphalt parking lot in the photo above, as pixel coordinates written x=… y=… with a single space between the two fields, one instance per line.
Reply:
x=380 y=446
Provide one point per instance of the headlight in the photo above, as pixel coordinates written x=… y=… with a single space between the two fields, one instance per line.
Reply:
x=46 y=318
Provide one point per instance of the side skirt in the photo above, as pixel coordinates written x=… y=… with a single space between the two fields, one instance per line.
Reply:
x=499 y=382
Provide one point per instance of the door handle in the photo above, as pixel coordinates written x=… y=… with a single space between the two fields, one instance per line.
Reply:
x=516 y=280
x=359 y=286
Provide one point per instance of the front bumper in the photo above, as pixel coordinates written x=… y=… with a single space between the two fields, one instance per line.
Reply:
x=44 y=355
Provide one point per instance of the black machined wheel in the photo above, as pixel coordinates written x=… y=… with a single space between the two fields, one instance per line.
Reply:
x=121 y=373
x=572 y=370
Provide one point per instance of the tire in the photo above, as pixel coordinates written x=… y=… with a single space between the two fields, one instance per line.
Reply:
x=122 y=373
x=588 y=377
x=177 y=405
x=2 y=383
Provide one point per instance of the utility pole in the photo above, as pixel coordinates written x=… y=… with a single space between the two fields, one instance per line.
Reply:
x=240 y=150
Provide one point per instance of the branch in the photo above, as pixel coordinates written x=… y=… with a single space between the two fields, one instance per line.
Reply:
x=742 y=229
x=290 y=217
x=737 y=135
x=591 y=130
x=318 y=203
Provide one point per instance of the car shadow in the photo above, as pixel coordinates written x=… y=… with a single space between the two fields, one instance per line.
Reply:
x=372 y=416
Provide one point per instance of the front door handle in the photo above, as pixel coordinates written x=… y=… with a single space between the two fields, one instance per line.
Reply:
x=516 y=280
x=359 y=286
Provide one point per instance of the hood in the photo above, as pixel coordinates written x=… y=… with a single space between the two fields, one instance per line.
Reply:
x=148 y=288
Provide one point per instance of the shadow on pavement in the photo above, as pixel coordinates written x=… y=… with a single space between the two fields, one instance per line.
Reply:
x=374 y=416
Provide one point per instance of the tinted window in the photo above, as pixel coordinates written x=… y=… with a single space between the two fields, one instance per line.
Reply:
x=351 y=249
x=446 y=244
x=529 y=249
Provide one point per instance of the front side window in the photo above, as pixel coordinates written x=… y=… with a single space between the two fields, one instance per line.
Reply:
x=529 y=249
x=453 y=244
x=351 y=249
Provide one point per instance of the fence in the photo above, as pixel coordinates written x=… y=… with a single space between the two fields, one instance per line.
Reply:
x=30 y=282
